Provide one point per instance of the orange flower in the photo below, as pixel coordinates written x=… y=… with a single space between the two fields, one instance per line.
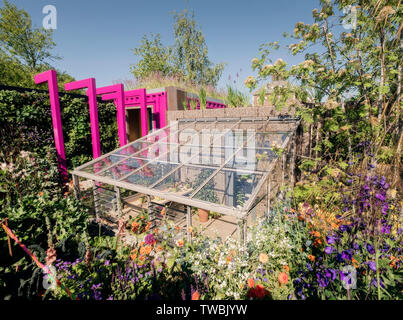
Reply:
x=133 y=256
x=286 y=268
x=196 y=295
x=228 y=259
x=180 y=243
x=301 y=218
x=190 y=229
x=176 y=228
x=145 y=250
x=141 y=243
x=263 y=258
x=156 y=230
x=282 y=278
x=142 y=217
x=158 y=249
x=141 y=258
x=355 y=263
x=135 y=226
x=41 y=194
x=317 y=242
x=251 y=283
x=311 y=257
x=163 y=212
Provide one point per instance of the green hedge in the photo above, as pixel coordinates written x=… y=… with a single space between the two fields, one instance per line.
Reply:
x=26 y=122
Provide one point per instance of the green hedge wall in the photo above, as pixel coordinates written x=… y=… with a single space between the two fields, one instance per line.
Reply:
x=26 y=122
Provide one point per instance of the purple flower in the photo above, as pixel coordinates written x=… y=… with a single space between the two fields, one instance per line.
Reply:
x=375 y=283
x=372 y=265
x=370 y=249
x=107 y=262
x=343 y=228
x=380 y=196
x=328 y=250
x=331 y=274
x=308 y=266
x=330 y=239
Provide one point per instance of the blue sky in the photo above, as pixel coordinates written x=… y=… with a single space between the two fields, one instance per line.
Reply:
x=95 y=38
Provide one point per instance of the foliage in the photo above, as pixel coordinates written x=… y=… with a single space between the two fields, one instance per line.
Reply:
x=187 y=59
x=155 y=58
x=21 y=40
x=348 y=88
x=26 y=122
x=235 y=98
x=24 y=49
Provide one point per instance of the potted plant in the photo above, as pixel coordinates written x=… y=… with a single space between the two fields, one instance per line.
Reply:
x=207 y=193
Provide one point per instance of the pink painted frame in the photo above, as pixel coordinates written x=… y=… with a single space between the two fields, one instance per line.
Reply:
x=50 y=77
x=116 y=93
x=92 y=101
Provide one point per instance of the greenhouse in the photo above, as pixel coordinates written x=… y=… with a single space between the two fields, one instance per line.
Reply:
x=227 y=165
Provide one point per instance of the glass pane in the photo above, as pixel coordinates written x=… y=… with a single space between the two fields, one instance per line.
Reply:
x=102 y=164
x=132 y=149
x=156 y=150
x=252 y=159
x=124 y=168
x=151 y=173
x=230 y=188
x=266 y=139
x=202 y=155
x=184 y=180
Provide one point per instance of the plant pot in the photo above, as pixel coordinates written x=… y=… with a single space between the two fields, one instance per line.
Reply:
x=203 y=215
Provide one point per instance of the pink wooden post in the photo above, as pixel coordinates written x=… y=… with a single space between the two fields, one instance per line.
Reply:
x=116 y=93
x=50 y=77
x=162 y=109
x=92 y=101
x=143 y=111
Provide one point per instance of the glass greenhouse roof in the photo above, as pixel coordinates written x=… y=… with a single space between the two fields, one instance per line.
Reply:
x=218 y=165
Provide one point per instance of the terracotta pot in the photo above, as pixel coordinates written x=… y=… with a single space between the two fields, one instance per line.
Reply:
x=203 y=215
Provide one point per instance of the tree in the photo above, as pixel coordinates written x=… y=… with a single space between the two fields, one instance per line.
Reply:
x=18 y=38
x=191 y=52
x=155 y=58
x=187 y=59
x=354 y=77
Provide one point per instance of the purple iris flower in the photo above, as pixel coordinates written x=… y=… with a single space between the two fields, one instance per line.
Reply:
x=330 y=239
x=343 y=228
x=328 y=250
x=372 y=265
x=370 y=249
x=331 y=274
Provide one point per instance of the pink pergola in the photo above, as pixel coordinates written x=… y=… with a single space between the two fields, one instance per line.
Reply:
x=122 y=99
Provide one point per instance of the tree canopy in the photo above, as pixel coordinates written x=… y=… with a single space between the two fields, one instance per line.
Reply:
x=187 y=58
x=25 y=50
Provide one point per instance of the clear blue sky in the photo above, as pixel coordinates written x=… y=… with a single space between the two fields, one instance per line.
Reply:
x=95 y=38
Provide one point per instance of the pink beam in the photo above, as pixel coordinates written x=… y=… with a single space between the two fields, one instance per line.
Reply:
x=140 y=96
x=116 y=93
x=50 y=77
x=92 y=101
